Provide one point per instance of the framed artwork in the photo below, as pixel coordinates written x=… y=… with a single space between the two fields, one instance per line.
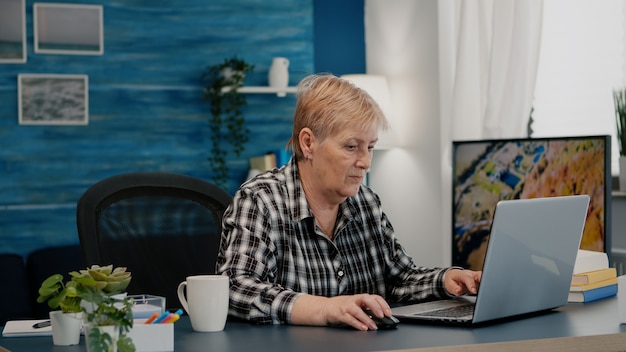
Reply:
x=12 y=31
x=50 y=99
x=68 y=29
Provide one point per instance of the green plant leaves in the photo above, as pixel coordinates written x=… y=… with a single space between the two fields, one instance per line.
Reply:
x=52 y=281
x=226 y=121
x=125 y=344
x=52 y=290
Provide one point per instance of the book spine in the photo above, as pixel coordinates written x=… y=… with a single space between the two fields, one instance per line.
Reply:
x=599 y=293
x=594 y=285
x=593 y=276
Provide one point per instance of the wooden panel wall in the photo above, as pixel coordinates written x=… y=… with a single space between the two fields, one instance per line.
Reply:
x=145 y=107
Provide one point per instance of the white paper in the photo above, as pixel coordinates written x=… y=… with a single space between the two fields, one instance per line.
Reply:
x=17 y=328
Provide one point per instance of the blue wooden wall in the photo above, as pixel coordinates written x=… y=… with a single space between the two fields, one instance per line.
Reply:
x=339 y=36
x=145 y=106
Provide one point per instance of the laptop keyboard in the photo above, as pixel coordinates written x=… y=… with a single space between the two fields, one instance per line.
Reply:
x=457 y=311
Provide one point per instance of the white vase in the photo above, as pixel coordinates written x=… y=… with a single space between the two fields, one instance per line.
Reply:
x=65 y=328
x=278 y=75
x=622 y=173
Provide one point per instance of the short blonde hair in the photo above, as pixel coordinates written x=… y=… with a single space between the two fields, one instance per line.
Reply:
x=328 y=104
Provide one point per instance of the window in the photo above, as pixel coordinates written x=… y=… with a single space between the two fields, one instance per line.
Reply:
x=581 y=62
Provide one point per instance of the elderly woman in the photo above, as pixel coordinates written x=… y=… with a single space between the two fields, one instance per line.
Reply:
x=308 y=243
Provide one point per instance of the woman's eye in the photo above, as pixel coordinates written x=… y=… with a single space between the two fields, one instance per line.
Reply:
x=351 y=147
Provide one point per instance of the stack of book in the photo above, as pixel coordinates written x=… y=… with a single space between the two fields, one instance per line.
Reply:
x=593 y=279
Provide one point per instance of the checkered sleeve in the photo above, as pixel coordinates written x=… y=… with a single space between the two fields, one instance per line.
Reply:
x=248 y=256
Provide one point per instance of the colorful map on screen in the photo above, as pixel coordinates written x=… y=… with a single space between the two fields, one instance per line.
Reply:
x=486 y=172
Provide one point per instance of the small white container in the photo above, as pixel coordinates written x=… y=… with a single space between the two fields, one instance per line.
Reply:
x=152 y=337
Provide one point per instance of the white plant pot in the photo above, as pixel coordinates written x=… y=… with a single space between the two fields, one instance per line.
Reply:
x=65 y=327
x=622 y=173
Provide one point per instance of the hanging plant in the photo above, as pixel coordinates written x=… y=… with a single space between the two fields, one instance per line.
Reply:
x=226 y=122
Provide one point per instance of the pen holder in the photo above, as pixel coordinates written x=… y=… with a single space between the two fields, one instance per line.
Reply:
x=152 y=337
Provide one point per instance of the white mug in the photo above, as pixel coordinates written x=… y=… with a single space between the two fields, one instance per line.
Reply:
x=206 y=301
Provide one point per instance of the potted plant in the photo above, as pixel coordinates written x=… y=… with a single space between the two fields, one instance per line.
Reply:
x=65 y=323
x=619 y=98
x=109 y=312
x=221 y=91
x=98 y=291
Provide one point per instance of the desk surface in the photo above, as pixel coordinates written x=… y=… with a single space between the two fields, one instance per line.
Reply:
x=593 y=318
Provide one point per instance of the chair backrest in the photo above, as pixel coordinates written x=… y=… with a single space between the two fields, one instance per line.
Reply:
x=162 y=226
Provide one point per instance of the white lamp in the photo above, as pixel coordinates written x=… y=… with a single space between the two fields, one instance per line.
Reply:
x=376 y=86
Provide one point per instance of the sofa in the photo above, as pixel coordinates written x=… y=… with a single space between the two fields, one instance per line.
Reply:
x=23 y=276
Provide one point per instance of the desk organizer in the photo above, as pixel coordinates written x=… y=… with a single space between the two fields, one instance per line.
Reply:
x=146 y=305
x=152 y=337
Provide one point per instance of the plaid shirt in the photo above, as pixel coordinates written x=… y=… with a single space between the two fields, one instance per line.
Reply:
x=273 y=252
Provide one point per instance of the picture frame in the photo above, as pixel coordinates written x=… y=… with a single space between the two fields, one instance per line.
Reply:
x=68 y=29
x=12 y=31
x=485 y=171
x=53 y=99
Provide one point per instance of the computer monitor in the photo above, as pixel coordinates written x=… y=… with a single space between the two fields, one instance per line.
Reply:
x=486 y=171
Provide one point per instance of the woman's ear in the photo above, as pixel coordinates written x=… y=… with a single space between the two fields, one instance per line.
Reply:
x=306 y=139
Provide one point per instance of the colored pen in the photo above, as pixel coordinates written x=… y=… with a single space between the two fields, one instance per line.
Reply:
x=168 y=319
x=161 y=317
x=152 y=317
x=174 y=319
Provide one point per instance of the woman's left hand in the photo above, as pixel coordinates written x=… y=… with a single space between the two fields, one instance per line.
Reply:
x=460 y=282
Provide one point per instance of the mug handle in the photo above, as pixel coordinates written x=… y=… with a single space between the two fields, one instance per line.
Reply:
x=181 y=295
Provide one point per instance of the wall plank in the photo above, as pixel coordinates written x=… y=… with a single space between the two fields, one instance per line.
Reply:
x=146 y=112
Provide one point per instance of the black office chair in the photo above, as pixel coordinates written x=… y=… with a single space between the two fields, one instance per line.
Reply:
x=163 y=227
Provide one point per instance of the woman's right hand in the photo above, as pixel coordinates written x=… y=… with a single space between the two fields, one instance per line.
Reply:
x=339 y=310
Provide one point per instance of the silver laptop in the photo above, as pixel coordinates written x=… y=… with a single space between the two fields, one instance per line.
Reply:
x=528 y=266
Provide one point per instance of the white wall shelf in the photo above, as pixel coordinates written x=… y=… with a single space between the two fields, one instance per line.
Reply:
x=281 y=92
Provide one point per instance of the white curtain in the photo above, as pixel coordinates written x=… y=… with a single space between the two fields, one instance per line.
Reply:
x=488 y=51
x=488 y=55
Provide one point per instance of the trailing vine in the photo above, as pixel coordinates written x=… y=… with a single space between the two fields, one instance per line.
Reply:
x=226 y=122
